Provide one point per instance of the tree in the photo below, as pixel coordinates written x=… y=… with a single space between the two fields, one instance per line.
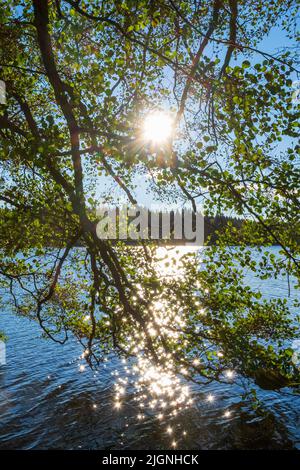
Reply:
x=79 y=79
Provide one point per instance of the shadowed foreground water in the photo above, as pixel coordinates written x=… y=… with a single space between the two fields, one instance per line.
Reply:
x=46 y=403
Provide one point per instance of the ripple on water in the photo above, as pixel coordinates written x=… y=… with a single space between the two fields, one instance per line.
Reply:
x=46 y=403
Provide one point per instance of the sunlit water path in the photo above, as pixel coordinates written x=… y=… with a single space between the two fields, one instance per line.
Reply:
x=47 y=402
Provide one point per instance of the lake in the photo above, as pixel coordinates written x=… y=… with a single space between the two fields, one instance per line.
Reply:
x=47 y=403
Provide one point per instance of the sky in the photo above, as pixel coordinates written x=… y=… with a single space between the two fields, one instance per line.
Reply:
x=271 y=44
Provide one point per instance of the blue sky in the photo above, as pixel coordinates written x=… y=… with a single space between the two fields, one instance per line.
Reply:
x=272 y=44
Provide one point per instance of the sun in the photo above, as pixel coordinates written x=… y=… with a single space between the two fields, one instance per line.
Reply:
x=157 y=127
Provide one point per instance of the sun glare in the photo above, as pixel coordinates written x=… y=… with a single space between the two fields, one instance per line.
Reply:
x=157 y=127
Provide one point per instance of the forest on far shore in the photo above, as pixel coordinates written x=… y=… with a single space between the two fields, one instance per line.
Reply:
x=214 y=226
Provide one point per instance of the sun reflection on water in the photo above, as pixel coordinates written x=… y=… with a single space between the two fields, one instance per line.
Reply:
x=160 y=388
x=169 y=260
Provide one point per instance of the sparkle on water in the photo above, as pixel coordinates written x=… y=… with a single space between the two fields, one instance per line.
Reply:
x=210 y=398
x=229 y=374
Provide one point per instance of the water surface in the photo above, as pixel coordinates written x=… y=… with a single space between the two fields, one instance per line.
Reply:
x=46 y=403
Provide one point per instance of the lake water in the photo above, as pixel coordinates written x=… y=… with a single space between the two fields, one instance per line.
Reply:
x=46 y=403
